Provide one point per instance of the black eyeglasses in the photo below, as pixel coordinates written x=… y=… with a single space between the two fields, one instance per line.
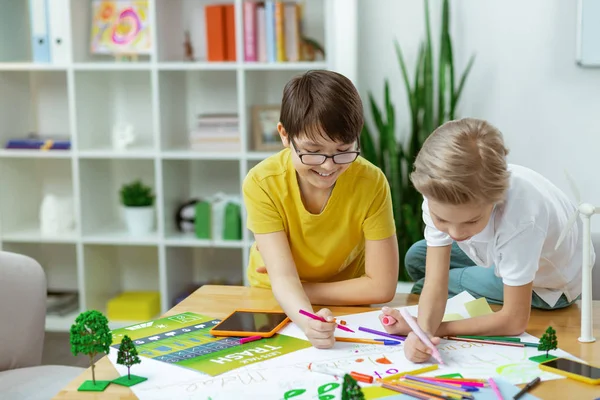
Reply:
x=317 y=159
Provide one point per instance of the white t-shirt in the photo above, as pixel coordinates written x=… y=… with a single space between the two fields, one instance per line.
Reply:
x=520 y=237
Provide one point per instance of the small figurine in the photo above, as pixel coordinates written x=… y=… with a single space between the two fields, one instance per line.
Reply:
x=548 y=341
x=128 y=356
x=189 y=49
x=90 y=335
x=310 y=48
x=351 y=390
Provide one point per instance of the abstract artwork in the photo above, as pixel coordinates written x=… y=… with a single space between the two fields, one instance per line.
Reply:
x=120 y=27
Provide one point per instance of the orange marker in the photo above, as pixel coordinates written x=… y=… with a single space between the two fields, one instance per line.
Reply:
x=361 y=377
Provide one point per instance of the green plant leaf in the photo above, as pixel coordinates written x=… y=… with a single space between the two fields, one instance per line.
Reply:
x=136 y=194
x=461 y=83
x=367 y=147
x=380 y=125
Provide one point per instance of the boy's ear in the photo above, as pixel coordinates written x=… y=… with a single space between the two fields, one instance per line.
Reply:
x=283 y=135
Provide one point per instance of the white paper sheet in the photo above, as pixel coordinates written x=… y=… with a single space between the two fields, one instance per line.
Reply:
x=289 y=374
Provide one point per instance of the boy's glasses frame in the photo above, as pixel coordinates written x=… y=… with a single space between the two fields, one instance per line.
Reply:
x=315 y=157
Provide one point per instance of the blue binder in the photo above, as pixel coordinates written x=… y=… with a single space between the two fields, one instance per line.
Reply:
x=40 y=40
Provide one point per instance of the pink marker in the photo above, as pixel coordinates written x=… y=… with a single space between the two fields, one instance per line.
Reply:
x=250 y=339
x=422 y=335
x=387 y=320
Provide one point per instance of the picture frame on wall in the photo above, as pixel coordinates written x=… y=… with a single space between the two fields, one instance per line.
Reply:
x=264 y=127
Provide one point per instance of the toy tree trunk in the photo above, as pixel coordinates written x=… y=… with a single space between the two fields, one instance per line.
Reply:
x=128 y=372
x=93 y=368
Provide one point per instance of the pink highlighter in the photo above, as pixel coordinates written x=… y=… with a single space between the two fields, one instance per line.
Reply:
x=387 y=320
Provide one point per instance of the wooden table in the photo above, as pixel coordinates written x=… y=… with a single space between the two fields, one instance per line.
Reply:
x=219 y=301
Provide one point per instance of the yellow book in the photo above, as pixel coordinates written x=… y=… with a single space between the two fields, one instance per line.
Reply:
x=279 y=32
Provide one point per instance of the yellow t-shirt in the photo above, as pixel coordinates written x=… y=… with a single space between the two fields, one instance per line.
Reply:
x=326 y=247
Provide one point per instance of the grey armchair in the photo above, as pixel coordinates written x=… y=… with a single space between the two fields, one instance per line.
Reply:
x=23 y=316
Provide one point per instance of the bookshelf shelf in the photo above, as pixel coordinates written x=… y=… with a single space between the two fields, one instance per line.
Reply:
x=87 y=99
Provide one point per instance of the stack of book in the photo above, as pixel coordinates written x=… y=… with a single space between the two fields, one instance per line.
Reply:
x=216 y=132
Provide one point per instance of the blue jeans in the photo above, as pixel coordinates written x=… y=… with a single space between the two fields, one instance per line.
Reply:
x=466 y=275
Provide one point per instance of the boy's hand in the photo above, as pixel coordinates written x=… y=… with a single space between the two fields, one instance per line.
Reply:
x=400 y=327
x=417 y=351
x=321 y=334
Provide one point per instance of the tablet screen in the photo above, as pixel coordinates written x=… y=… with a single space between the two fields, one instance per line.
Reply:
x=574 y=367
x=249 y=321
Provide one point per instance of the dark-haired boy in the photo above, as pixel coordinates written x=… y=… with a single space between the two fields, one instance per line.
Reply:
x=321 y=214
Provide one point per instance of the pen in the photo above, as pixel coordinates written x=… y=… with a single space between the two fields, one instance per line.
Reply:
x=527 y=388
x=419 y=332
x=250 y=339
x=387 y=320
x=512 y=344
x=318 y=318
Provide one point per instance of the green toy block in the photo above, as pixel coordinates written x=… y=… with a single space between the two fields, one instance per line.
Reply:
x=88 y=386
x=203 y=219
x=134 y=380
x=232 y=229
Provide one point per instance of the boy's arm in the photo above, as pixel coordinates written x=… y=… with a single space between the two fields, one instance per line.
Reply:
x=518 y=257
x=285 y=282
x=432 y=301
x=511 y=320
x=378 y=285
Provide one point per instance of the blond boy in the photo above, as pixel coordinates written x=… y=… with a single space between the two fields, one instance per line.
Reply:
x=491 y=229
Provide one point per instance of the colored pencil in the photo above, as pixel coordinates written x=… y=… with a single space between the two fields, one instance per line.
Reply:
x=495 y=338
x=318 y=318
x=442 y=384
x=366 y=341
x=512 y=344
x=413 y=372
x=495 y=389
x=410 y=392
x=456 y=382
x=435 y=390
x=388 y=335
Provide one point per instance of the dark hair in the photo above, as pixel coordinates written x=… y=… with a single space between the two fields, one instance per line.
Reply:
x=322 y=103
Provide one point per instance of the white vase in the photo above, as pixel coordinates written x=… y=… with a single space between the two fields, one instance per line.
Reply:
x=139 y=220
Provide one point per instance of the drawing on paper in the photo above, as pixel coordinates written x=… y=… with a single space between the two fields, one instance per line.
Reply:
x=120 y=27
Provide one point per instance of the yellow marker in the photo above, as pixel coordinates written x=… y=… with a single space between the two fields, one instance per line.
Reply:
x=413 y=372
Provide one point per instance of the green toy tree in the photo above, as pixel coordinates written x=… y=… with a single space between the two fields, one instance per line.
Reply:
x=351 y=390
x=90 y=335
x=127 y=354
x=548 y=341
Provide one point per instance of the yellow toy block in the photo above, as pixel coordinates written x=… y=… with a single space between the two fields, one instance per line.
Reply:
x=133 y=306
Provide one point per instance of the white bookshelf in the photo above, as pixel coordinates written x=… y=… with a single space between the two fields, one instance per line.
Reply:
x=160 y=94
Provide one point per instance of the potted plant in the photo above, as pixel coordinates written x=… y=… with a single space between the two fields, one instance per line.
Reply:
x=138 y=204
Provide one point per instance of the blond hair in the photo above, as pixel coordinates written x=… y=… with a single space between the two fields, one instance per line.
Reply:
x=462 y=162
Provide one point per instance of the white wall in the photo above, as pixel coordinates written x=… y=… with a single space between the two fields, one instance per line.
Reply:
x=525 y=79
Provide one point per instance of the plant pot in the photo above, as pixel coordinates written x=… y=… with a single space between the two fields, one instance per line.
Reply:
x=139 y=220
